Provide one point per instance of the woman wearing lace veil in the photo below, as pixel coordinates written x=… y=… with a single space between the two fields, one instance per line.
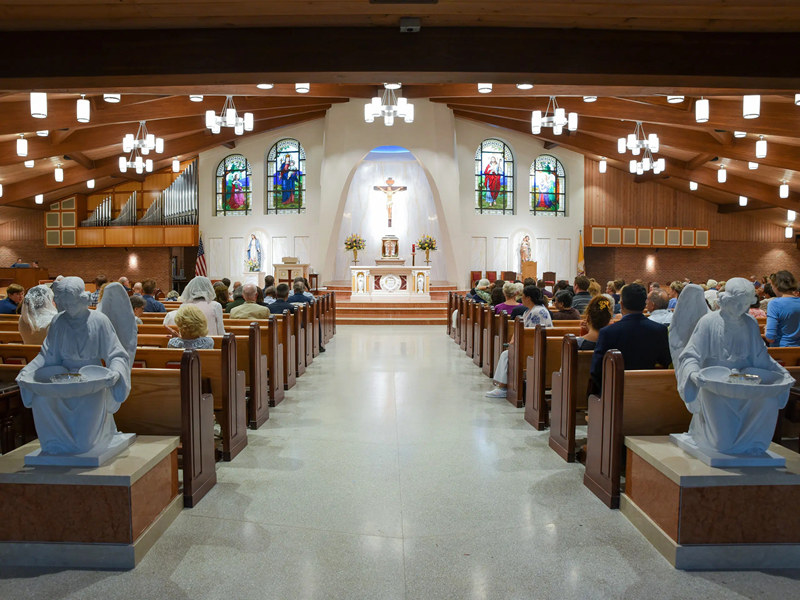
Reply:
x=38 y=310
x=200 y=292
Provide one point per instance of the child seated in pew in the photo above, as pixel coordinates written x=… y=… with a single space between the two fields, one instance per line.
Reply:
x=536 y=314
x=598 y=314
x=192 y=329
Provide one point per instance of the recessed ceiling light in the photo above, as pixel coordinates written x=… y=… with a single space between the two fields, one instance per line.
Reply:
x=265 y=86
x=524 y=86
x=739 y=134
x=674 y=99
x=590 y=98
x=484 y=88
x=302 y=88
x=196 y=97
x=112 y=98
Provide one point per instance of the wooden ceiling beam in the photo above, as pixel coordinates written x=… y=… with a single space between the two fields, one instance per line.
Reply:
x=699 y=160
x=189 y=145
x=57 y=137
x=81 y=159
x=381 y=53
x=16 y=117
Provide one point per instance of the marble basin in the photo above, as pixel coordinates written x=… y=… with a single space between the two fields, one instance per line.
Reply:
x=716 y=380
x=94 y=378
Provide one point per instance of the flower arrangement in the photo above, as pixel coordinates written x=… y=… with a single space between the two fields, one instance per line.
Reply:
x=426 y=242
x=354 y=242
x=251 y=265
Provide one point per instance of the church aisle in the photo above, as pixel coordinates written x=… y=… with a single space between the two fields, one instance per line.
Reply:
x=387 y=474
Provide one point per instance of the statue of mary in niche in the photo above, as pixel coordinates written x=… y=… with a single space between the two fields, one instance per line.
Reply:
x=253 y=259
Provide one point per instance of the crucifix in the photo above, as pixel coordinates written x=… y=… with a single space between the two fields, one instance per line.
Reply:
x=390 y=189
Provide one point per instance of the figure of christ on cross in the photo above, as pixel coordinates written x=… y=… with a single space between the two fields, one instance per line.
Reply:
x=390 y=189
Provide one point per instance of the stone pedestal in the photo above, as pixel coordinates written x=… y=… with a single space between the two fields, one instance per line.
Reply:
x=256 y=277
x=101 y=518
x=706 y=518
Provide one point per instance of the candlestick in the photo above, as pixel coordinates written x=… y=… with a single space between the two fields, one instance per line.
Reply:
x=413 y=248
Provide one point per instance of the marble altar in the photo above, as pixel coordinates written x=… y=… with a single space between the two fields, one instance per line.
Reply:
x=390 y=283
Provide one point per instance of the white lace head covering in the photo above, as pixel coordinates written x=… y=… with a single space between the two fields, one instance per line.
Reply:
x=38 y=308
x=199 y=288
x=690 y=308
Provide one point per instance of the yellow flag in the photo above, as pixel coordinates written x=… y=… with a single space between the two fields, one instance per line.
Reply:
x=581 y=262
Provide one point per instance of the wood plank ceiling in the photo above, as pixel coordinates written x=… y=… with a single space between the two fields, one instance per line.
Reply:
x=693 y=151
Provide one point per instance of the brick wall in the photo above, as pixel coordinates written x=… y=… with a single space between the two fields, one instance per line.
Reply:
x=136 y=264
x=722 y=261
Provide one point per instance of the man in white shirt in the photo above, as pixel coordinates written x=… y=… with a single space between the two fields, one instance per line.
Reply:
x=657 y=303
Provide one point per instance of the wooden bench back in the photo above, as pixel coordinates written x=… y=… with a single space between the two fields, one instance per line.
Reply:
x=20 y=354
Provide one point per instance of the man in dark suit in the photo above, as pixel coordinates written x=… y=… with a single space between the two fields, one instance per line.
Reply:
x=281 y=304
x=643 y=342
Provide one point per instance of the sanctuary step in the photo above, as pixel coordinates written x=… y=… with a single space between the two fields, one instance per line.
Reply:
x=390 y=313
x=439 y=290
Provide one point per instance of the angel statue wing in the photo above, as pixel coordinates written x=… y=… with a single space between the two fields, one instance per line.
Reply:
x=690 y=308
x=117 y=307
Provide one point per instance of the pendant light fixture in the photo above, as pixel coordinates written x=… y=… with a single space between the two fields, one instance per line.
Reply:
x=693 y=185
x=176 y=165
x=83 y=109
x=761 y=147
x=38 y=105
x=59 y=173
x=485 y=88
x=195 y=97
x=1 y=190
x=791 y=215
x=788 y=232
x=136 y=146
x=39 y=199
x=389 y=106
x=28 y=164
x=228 y=117
x=674 y=99
x=43 y=133
x=701 y=110
x=640 y=143
x=590 y=98
x=751 y=106
x=742 y=200
x=90 y=184
x=602 y=165
x=22 y=146
x=783 y=191
x=752 y=165
x=302 y=88
x=112 y=98
x=556 y=120
x=722 y=174
x=739 y=134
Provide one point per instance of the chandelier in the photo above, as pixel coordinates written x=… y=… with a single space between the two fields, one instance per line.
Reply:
x=389 y=106
x=557 y=119
x=137 y=146
x=228 y=117
x=638 y=143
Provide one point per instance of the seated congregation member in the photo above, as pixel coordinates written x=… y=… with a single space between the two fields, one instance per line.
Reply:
x=221 y=295
x=238 y=299
x=250 y=309
x=509 y=299
x=268 y=296
x=192 y=329
x=173 y=295
x=657 y=303
x=307 y=293
x=536 y=314
x=11 y=304
x=482 y=291
x=675 y=289
x=281 y=304
x=298 y=296
x=125 y=283
x=541 y=285
x=200 y=293
x=756 y=311
x=598 y=314
x=594 y=288
x=562 y=303
x=497 y=296
x=38 y=309
x=783 y=312
x=137 y=304
x=137 y=289
x=582 y=295
x=99 y=282
x=150 y=303
x=643 y=343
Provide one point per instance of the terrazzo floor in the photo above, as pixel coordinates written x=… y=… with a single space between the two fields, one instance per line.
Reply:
x=387 y=474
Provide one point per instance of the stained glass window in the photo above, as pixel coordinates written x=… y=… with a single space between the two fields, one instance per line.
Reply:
x=494 y=178
x=234 y=193
x=286 y=178
x=548 y=186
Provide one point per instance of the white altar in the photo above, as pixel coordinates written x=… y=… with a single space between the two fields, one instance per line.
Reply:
x=390 y=283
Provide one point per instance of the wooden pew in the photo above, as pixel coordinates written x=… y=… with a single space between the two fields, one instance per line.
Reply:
x=153 y=408
x=285 y=324
x=10 y=337
x=462 y=322
x=220 y=375
x=502 y=335
x=268 y=352
x=570 y=393
x=631 y=403
x=470 y=325
x=490 y=325
x=308 y=328
x=480 y=313
x=546 y=359
x=299 y=343
x=450 y=309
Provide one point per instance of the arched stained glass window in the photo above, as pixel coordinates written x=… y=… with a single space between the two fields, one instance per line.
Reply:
x=233 y=189
x=548 y=186
x=494 y=178
x=286 y=178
